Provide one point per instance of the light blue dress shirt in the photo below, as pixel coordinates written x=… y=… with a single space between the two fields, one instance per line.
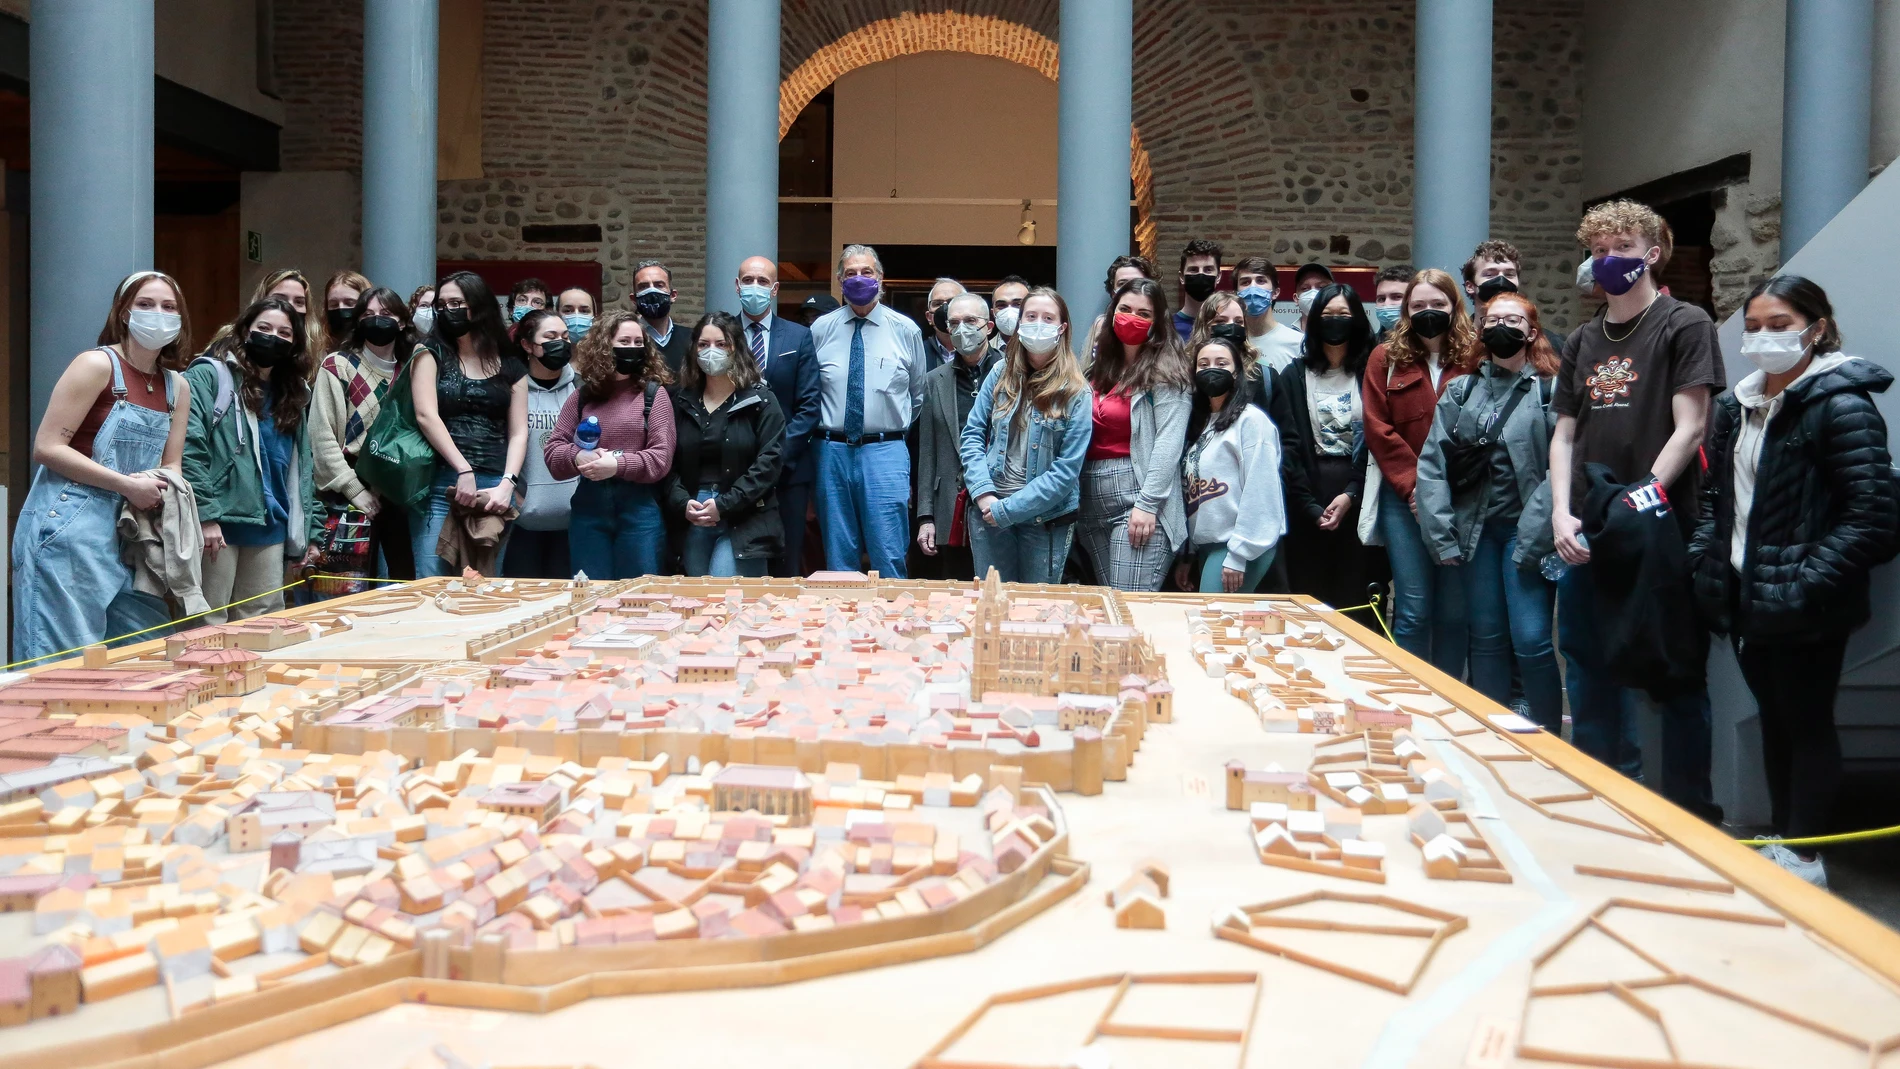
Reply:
x=893 y=368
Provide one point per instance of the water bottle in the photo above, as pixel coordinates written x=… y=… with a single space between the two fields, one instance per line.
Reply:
x=587 y=435
x=1553 y=566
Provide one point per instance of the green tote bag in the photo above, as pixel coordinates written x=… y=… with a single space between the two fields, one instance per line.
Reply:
x=396 y=461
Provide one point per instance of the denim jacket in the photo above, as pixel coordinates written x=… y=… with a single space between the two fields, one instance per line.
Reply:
x=1053 y=466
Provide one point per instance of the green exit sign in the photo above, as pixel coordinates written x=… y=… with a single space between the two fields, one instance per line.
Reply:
x=254 y=246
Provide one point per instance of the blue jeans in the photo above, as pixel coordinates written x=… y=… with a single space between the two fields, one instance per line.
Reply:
x=1428 y=599
x=427 y=522
x=1024 y=553
x=1602 y=723
x=615 y=530
x=708 y=550
x=864 y=505
x=1510 y=612
x=1210 y=561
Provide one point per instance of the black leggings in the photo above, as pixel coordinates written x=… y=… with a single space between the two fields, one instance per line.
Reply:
x=1329 y=565
x=1794 y=683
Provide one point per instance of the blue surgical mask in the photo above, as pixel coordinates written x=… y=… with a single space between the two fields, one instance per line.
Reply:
x=1256 y=300
x=520 y=310
x=755 y=299
x=1388 y=316
x=578 y=324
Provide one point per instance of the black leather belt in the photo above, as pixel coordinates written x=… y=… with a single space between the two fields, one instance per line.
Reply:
x=862 y=439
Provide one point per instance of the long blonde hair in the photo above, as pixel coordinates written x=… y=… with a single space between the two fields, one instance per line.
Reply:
x=1058 y=383
x=1404 y=347
x=314 y=336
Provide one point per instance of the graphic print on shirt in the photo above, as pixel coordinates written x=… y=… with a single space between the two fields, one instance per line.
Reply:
x=1610 y=383
x=1334 y=428
x=1198 y=491
x=541 y=424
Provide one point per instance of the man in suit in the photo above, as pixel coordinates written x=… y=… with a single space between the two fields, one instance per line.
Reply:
x=789 y=365
x=943 y=543
x=653 y=299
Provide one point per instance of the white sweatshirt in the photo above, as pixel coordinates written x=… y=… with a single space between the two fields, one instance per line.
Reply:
x=1757 y=411
x=1232 y=484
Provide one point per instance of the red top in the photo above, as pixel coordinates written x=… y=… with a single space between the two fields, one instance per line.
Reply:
x=646 y=453
x=135 y=392
x=1399 y=416
x=1110 y=435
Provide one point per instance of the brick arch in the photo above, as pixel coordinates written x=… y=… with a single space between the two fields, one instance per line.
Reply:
x=910 y=33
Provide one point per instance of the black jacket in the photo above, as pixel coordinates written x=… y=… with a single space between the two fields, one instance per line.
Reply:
x=1645 y=603
x=1299 y=460
x=750 y=458
x=1823 y=514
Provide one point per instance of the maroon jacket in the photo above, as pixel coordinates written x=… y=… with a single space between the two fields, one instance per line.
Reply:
x=1399 y=416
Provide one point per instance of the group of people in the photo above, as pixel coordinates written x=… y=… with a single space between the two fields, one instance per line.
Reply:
x=1514 y=484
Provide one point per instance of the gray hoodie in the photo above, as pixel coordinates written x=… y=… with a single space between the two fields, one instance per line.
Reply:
x=548 y=498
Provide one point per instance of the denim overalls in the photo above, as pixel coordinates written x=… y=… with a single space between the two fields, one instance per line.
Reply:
x=70 y=586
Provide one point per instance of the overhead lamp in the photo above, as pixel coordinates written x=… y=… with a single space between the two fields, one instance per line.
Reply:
x=1026 y=231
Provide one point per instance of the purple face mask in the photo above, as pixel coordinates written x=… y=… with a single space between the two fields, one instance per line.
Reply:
x=860 y=290
x=1616 y=274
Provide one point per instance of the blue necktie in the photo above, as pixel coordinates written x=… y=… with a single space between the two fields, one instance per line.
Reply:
x=854 y=386
x=758 y=346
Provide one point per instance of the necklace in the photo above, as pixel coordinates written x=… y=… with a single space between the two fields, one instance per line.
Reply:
x=1634 y=327
x=150 y=377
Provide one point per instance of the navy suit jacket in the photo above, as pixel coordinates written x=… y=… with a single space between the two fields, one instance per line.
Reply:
x=791 y=370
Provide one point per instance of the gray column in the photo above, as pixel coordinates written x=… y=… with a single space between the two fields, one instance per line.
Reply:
x=399 y=96
x=1096 y=120
x=1451 y=154
x=742 y=50
x=1826 y=113
x=91 y=121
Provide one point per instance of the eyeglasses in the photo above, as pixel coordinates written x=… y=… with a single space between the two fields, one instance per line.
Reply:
x=1520 y=322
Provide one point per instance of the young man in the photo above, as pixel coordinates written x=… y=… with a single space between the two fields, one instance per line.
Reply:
x=1309 y=279
x=1274 y=344
x=653 y=296
x=1006 y=307
x=1200 y=277
x=789 y=366
x=1388 y=296
x=870 y=365
x=1633 y=394
x=1497 y=267
x=528 y=294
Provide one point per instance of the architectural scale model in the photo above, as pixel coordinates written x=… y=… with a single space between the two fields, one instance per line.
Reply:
x=323 y=837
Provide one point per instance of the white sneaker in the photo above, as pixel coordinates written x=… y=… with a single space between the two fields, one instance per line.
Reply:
x=1776 y=852
x=1811 y=871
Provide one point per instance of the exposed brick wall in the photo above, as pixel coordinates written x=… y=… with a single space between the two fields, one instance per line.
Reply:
x=1274 y=128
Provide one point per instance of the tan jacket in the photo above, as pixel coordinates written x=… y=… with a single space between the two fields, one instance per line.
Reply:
x=471 y=538
x=164 y=546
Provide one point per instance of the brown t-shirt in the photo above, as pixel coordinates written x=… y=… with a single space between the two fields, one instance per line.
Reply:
x=1621 y=391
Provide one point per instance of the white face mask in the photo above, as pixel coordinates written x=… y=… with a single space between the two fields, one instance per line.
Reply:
x=1774 y=351
x=969 y=337
x=1039 y=338
x=152 y=328
x=424 y=319
x=1006 y=321
x=1306 y=301
x=715 y=361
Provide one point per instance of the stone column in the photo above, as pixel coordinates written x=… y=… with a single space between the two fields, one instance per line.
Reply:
x=1826 y=113
x=742 y=74
x=1096 y=124
x=1451 y=168
x=399 y=101
x=91 y=115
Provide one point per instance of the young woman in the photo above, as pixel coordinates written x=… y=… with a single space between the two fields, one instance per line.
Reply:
x=291 y=285
x=615 y=529
x=467 y=381
x=1131 y=520
x=1223 y=316
x=1431 y=345
x=1799 y=504
x=117 y=412
x=1316 y=406
x=1483 y=502
x=538 y=547
x=1236 y=512
x=247 y=457
x=1022 y=449
x=339 y=307
x=422 y=307
x=345 y=398
x=576 y=308
x=730 y=449
x=1121 y=271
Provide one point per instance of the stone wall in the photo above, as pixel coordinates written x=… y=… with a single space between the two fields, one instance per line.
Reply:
x=1284 y=129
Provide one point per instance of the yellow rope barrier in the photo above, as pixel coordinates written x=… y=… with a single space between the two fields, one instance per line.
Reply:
x=1827 y=840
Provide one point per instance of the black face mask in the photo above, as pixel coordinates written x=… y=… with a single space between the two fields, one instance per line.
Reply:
x=653 y=304
x=266 y=350
x=452 y=323
x=380 y=330
x=1335 y=330
x=941 y=318
x=1234 y=332
x=1503 y=341
x=340 y=321
x=1214 y=381
x=555 y=354
x=1200 y=287
x=1493 y=286
x=629 y=359
x=1430 y=323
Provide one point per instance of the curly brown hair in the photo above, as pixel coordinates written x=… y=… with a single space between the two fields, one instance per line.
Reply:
x=594 y=358
x=1403 y=347
x=292 y=378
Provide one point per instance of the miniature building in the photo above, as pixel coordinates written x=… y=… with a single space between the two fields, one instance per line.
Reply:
x=1246 y=786
x=237 y=672
x=1051 y=658
x=157 y=696
x=1137 y=904
x=213 y=637
x=388 y=712
x=770 y=790
x=539 y=800
x=22 y=891
x=256 y=823
x=53 y=976
x=1084 y=710
x=707 y=669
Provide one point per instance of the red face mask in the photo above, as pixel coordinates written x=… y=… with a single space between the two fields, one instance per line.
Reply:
x=1131 y=329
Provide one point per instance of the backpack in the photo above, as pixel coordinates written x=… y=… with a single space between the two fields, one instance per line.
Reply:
x=226 y=392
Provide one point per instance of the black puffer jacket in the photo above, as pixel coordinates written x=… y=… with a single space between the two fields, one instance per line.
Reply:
x=751 y=453
x=1824 y=512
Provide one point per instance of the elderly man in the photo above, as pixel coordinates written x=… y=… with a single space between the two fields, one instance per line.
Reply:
x=789 y=365
x=871 y=370
x=949 y=393
x=938 y=349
